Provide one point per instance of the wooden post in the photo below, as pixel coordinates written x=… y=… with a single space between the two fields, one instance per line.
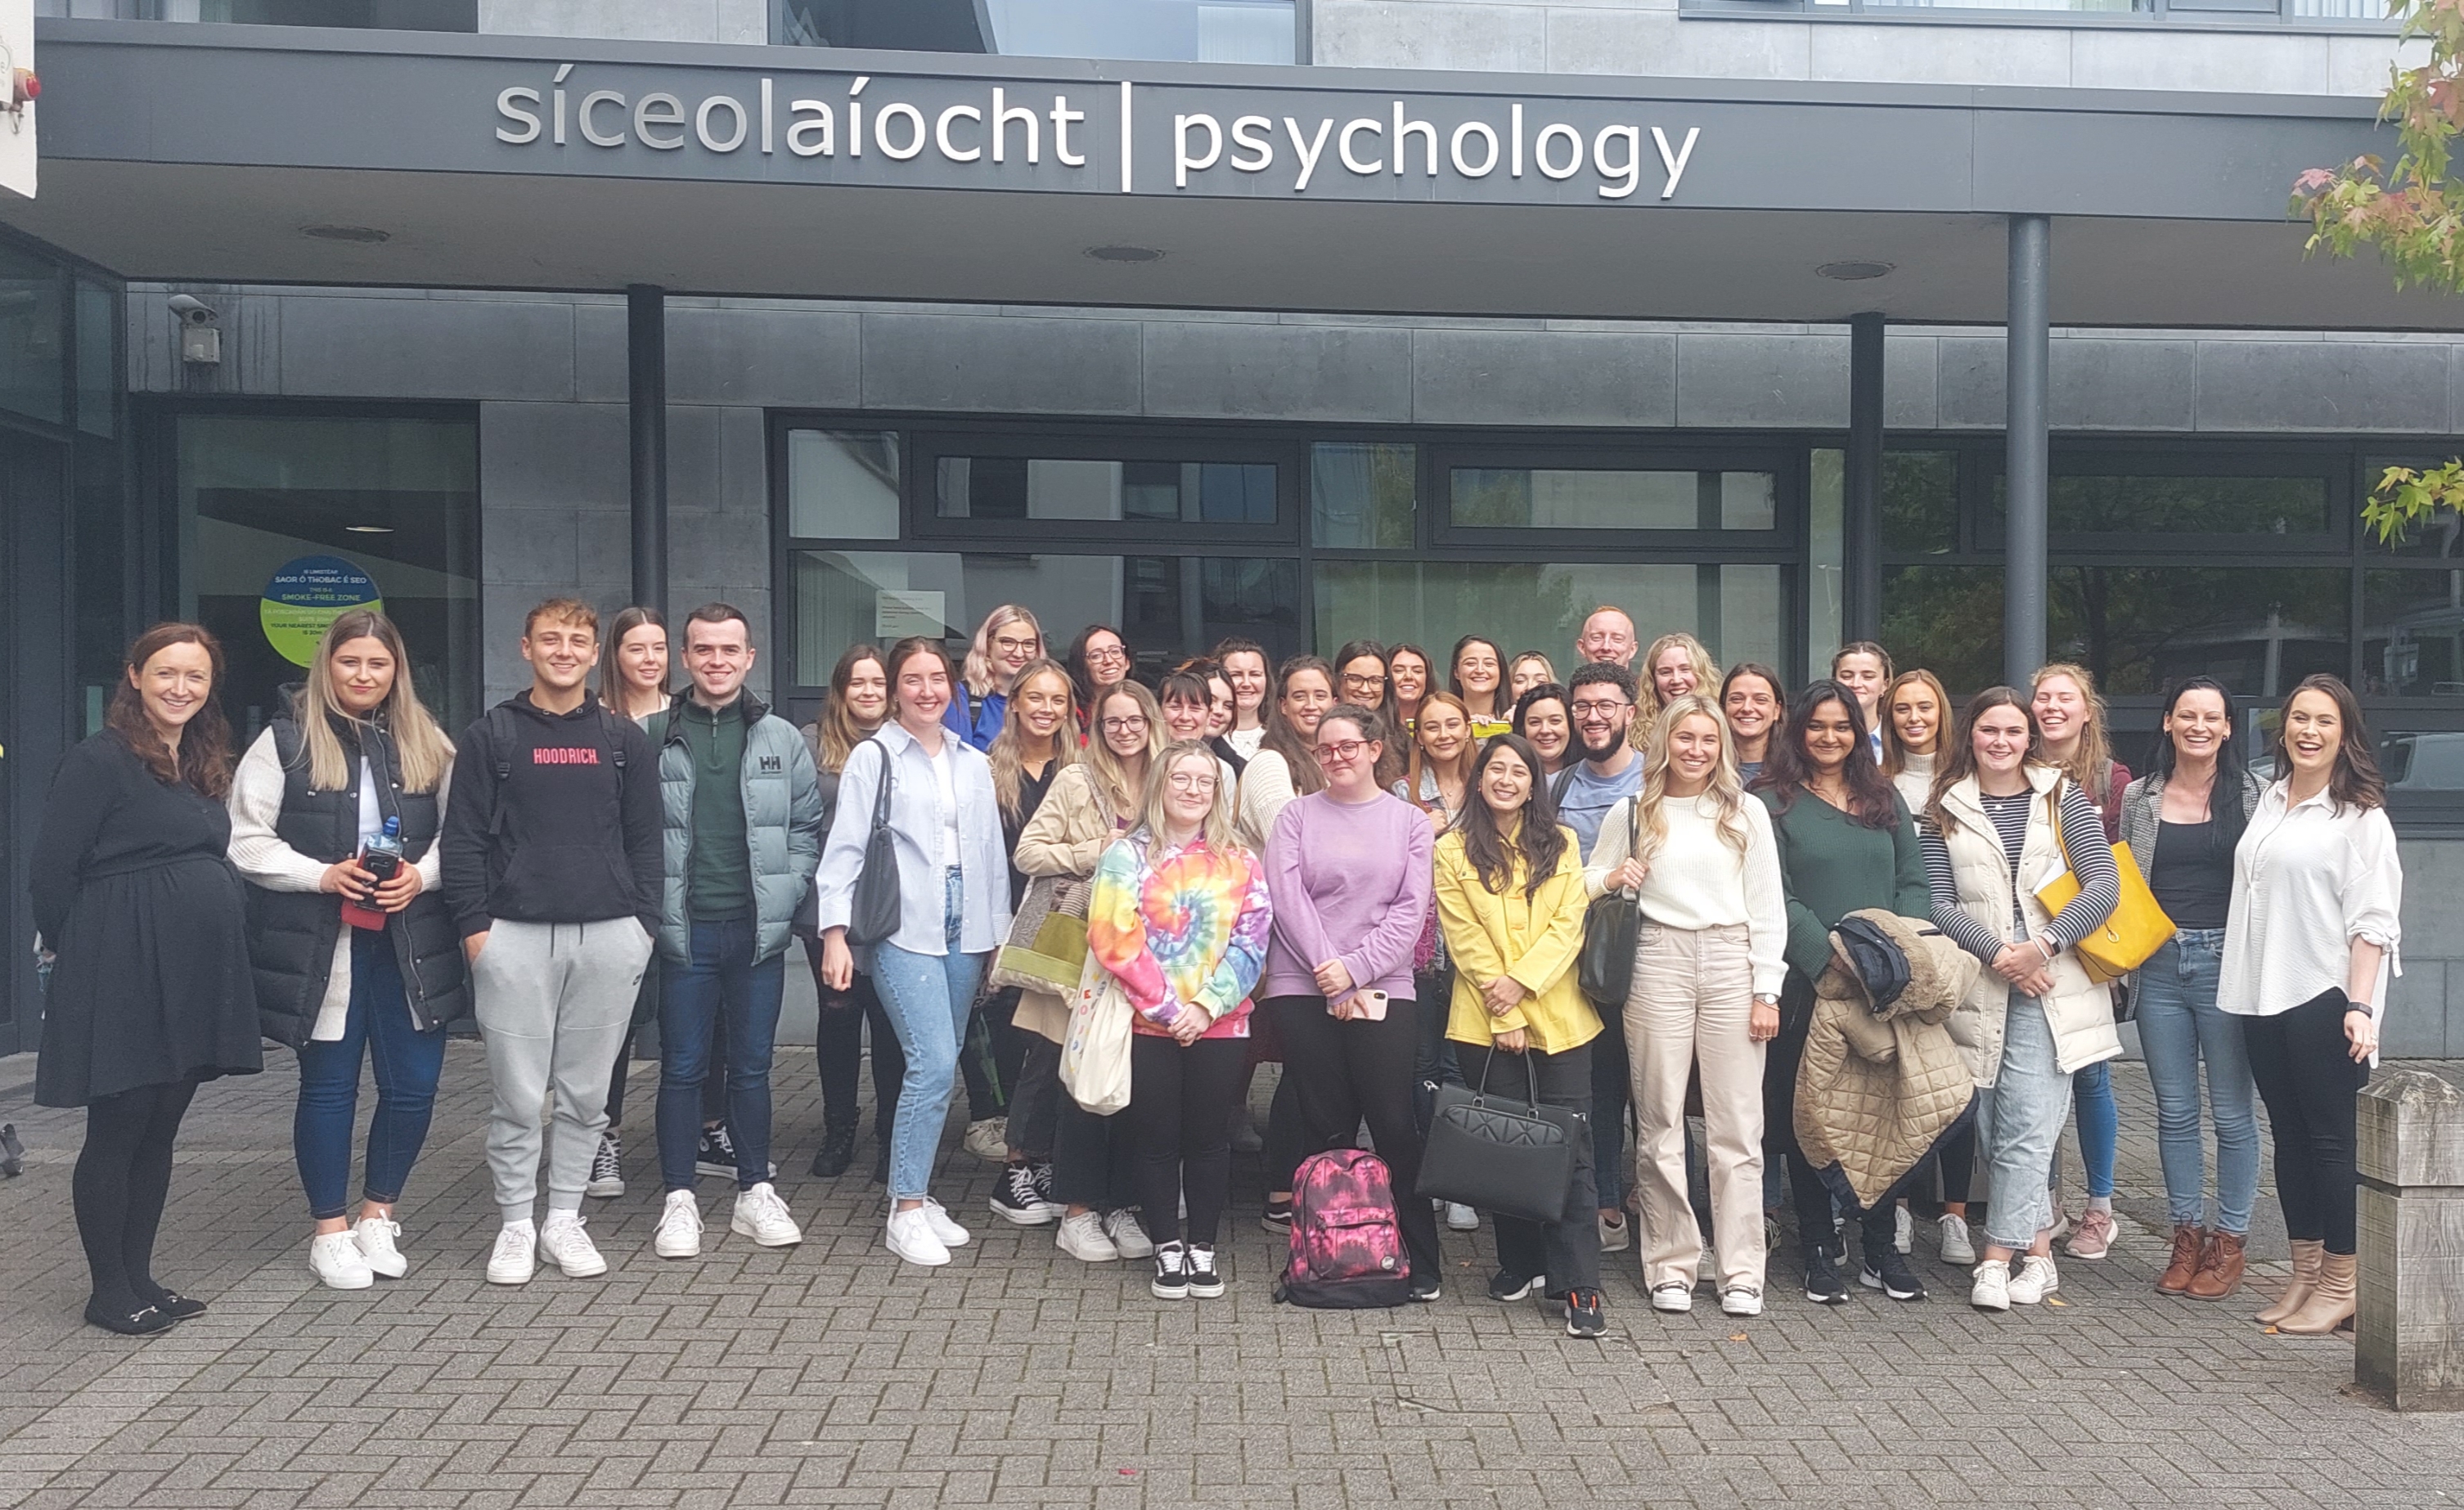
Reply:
x=2409 y=1348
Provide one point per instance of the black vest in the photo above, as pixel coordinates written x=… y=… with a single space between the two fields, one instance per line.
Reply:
x=292 y=934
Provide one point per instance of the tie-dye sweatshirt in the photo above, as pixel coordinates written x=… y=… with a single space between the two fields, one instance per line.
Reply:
x=1181 y=924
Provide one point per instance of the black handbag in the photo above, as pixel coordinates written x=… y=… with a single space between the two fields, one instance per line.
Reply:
x=1494 y=1153
x=873 y=913
x=1611 y=926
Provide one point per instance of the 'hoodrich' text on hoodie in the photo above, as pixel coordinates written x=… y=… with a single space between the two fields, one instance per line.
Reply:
x=558 y=822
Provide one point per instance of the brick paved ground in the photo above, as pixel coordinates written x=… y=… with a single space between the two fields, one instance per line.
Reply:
x=830 y=1374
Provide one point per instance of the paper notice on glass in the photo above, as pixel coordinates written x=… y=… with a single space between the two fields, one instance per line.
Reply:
x=898 y=612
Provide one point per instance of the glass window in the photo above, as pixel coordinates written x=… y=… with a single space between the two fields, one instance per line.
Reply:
x=2166 y=505
x=1738 y=611
x=2413 y=634
x=1156 y=492
x=389 y=16
x=97 y=350
x=2424 y=769
x=1587 y=498
x=1167 y=608
x=389 y=502
x=2257 y=630
x=1362 y=497
x=1825 y=608
x=32 y=336
x=843 y=485
x=102 y=569
x=1188 y=31
x=1919 y=502
x=1947 y=619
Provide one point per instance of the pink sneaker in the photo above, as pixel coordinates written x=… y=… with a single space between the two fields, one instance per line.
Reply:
x=2092 y=1235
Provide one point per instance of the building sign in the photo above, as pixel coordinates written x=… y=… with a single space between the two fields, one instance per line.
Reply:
x=305 y=597
x=898 y=612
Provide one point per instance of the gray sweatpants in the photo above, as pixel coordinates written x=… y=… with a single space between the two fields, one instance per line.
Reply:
x=554 y=1001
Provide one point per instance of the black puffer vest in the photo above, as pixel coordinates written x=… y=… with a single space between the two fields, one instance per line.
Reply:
x=292 y=934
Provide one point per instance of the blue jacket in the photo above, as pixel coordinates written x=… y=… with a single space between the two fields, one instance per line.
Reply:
x=987 y=722
x=915 y=830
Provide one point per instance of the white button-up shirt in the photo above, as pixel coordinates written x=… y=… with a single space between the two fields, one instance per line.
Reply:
x=2309 y=879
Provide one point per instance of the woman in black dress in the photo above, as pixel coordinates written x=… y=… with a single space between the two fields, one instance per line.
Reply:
x=144 y=923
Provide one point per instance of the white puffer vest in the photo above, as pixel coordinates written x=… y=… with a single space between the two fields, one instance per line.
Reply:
x=2079 y=1010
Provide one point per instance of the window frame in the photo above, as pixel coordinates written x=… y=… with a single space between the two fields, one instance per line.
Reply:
x=924 y=448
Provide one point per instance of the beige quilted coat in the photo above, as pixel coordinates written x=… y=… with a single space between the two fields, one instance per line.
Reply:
x=1873 y=1093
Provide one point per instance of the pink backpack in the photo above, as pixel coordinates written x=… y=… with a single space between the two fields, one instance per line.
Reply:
x=1347 y=1248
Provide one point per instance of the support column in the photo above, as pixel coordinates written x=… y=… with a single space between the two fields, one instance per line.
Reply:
x=646 y=393
x=1860 y=556
x=2023 y=586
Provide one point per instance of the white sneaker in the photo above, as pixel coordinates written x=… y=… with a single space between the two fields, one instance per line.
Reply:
x=911 y=1237
x=1741 y=1302
x=680 y=1233
x=943 y=1225
x=334 y=1258
x=2037 y=1279
x=762 y=1217
x=1461 y=1217
x=1957 y=1246
x=1083 y=1237
x=375 y=1236
x=1674 y=1298
x=515 y=1257
x=563 y=1242
x=606 y=1169
x=1903 y=1230
x=988 y=1139
x=1129 y=1235
x=1991 y=1291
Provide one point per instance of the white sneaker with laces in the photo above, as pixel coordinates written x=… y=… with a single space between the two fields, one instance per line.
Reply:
x=2037 y=1279
x=1674 y=1298
x=1741 y=1302
x=1903 y=1230
x=680 y=1233
x=563 y=1242
x=1957 y=1246
x=762 y=1217
x=1083 y=1237
x=375 y=1236
x=606 y=1169
x=911 y=1237
x=1461 y=1217
x=1991 y=1290
x=1129 y=1235
x=515 y=1257
x=334 y=1258
x=944 y=1227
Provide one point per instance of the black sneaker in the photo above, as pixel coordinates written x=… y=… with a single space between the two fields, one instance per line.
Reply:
x=1043 y=1186
x=1017 y=1200
x=1822 y=1282
x=717 y=1154
x=1277 y=1217
x=1198 y=1267
x=1170 y=1281
x=1507 y=1285
x=1583 y=1318
x=837 y=1153
x=1888 y=1272
x=1424 y=1289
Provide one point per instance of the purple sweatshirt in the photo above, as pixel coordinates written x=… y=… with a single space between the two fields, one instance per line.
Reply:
x=1351 y=881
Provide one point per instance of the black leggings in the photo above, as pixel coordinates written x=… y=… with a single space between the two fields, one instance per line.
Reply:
x=1811 y=1197
x=1180 y=1102
x=838 y=1043
x=2305 y=1073
x=123 y=1177
x=1346 y=1072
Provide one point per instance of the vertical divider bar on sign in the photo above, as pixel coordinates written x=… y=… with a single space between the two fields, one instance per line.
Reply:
x=1124 y=136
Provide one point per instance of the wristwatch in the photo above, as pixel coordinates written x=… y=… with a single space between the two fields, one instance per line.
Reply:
x=1764 y=999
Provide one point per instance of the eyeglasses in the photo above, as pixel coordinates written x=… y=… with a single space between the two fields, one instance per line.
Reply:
x=1003 y=642
x=1107 y=652
x=1341 y=750
x=1352 y=680
x=1123 y=726
x=1605 y=708
x=1191 y=781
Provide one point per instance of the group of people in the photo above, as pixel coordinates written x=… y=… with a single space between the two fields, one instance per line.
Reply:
x=1379 y=869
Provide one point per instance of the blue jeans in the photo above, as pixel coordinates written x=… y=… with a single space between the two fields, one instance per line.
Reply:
x=2179 y=1024
x=406 y=1063
x=2030 y=1099
x=927 y=997
x=2099 y=1125
x=718 y=989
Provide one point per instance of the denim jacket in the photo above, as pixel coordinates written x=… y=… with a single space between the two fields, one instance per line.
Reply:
x=915 y=830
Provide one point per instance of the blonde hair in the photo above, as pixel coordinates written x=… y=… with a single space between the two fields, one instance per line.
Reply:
x=1462 y=762
x=420 y=750
x=1894 y=758
x=1726 y=791
x=2092 y=757
x=978 y=673
x=1111 y=779
x=1216 y=828
x=1707 y=671
x=1009 y=766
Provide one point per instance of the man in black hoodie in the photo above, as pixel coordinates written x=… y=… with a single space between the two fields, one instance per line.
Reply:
x=552 y=873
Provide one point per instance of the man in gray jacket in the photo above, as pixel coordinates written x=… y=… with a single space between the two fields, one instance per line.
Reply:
x=741 y=821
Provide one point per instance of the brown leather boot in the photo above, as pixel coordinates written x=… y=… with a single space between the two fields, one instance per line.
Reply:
x=2187 y=1241
x=2306 y=1251
x=2220 y=1268
x=2331 y=1304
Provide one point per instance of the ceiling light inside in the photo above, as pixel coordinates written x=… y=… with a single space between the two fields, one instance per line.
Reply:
x=369 y=529
x=364 y=236
x=1124 y=253
x=1853 y=272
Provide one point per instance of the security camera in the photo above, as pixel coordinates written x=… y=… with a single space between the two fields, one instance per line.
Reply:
x=201 y=338
x=191 y=310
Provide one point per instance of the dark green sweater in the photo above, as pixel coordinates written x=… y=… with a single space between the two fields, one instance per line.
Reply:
x=1831 y=866
x=719 y=878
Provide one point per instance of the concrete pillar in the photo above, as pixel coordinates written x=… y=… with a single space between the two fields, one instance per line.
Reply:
x=2024 y=425
x=2408 y=1341
x=1860 y=555
x=646 y=394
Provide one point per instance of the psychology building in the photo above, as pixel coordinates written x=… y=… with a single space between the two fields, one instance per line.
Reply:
x=1978 y=331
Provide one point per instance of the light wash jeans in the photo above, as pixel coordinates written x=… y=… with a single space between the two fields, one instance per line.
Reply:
x=2031 y=1099
x=2180 y=1024
x=927 y=997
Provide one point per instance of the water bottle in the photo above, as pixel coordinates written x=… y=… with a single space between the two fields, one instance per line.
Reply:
x=381 y=856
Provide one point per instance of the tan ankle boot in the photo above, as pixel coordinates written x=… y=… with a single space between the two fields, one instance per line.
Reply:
x=2220 y=1268
x=2188 y=1242
x=2306 y=1251
x=2331 y=1303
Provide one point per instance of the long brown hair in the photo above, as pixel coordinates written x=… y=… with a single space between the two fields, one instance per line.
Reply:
x=613 y=689
x=1539 y=845
x=1464 y=762
x=203 y=764
x=839 y=733
x=2355 y=780
x=1282 y=739
x=1894 y=756
x=1009 y=765
x=1955 y=759
x=421 y=749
